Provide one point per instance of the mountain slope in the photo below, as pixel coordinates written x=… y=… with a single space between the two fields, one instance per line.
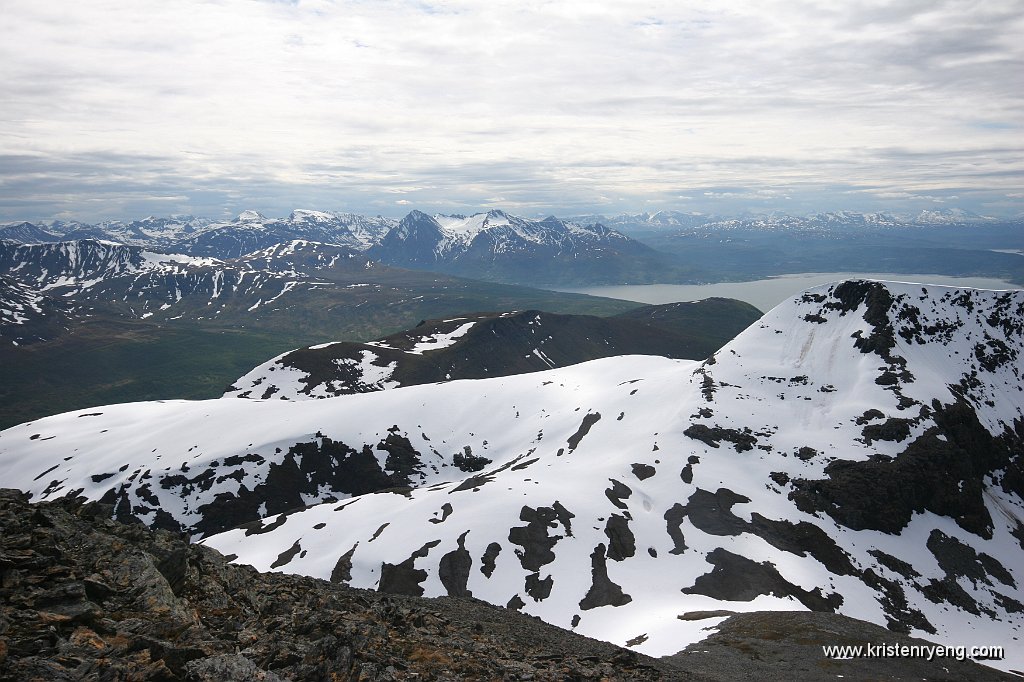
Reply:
x=858 y=450
x=90 y=322
x=493 y=345
x=501 y=247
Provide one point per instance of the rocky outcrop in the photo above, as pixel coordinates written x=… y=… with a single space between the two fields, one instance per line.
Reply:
x=85 y=597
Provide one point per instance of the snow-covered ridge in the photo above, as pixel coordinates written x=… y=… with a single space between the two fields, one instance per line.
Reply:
x=859 y=450
x=247 y=232
x=136 y=283
x=495 y=237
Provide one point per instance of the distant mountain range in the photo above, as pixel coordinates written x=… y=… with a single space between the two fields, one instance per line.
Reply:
x=679 y=221
x=498 y=246
x=856 y=450
x=590 y=249
x=492 y=246
x=248 y=232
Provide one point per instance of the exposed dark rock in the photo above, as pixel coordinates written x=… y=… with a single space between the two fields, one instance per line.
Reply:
x=892 y=429
x=403 y=460
x=673 y=525
x=617 y=493
x=736 y=578
x=878 y=301
x=305 y=469
x=959 y=560
x=949 y=591
x=712 y=512
x=287 y=555
x=602 y=592
x=534 y=539
x=173 y=568
x=538 y=588
x=589 y=420
x=342 y=572
x=453 y=570
x=869 y=415
x=900 y=617
x=702 y=615
x=1018 y=533
x=232 y=622
x=894 y=564
x=405 y=578
x=472 y=483
x=643 y=471
x=621 y=543
x=446 y=511
x=787 y=645
x=229 y=622
x=638 y=640
x=488 y=559
x=800 y=538
x=1010 y=604
x=942 y=475
x=712 y=435
x=468 y=462
x=805 y=453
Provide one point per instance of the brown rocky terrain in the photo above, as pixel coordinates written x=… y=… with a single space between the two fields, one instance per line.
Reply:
x=87 y=598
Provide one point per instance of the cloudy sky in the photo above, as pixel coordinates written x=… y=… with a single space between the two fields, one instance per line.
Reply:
x=114 y=109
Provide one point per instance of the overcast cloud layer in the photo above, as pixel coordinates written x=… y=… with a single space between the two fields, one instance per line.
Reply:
x=113 y=109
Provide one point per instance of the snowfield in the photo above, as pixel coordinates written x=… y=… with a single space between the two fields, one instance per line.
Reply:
x=857 y=450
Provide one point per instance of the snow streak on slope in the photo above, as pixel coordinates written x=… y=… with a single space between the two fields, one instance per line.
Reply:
x=435 y=341
x=858 y=450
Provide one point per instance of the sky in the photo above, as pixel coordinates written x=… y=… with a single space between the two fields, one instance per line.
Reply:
x=118 y=110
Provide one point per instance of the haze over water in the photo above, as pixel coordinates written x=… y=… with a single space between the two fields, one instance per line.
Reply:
x=765 y=294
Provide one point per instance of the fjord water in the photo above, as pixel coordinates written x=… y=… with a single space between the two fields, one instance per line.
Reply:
x=765 y=294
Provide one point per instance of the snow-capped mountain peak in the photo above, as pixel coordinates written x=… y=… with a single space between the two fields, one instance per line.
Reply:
x=250 y=216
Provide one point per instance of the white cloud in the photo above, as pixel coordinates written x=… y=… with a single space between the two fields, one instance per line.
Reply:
x=545 y=104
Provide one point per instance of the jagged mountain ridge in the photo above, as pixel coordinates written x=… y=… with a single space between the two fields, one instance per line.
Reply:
x=87 y=276
x=492 y=345
x=498 y=246
x=594 y=249
x=493 y=246
x=671 y=220
x=252 y=231
x=248 y=232
x=746 y=482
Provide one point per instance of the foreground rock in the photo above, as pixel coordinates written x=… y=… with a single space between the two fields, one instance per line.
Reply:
x=89 y=598
x=85 y=597
x=788 y=645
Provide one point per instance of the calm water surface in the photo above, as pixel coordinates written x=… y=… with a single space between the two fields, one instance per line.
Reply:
x=767 y=293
